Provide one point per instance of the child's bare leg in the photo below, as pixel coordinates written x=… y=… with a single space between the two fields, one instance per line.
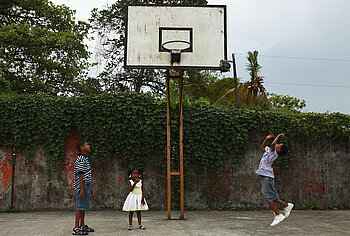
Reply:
x=279 y=201
x=139 y=217
x=274 y=208
x=130 y=217
x=82 y=218
x=77 y=218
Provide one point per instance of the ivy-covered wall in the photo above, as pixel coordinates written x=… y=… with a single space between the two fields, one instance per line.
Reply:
x=221 y=152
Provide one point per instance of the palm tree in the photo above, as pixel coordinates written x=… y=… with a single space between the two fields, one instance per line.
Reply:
x=255 y=85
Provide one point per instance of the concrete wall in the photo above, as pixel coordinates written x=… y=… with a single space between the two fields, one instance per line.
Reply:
x=316 y=174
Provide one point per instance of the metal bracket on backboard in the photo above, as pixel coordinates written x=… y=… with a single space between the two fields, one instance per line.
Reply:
x=175 y=56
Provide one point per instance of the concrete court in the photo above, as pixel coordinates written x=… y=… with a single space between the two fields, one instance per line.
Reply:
x=300 y=222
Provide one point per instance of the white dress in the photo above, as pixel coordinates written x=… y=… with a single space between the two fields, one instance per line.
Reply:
x=133 y=201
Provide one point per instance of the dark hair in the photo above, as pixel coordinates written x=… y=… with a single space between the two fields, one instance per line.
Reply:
x=80 y=144
x=132 y=169
x=284 y=150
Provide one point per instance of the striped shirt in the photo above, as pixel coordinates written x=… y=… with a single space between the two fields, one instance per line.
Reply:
x=81 y=165
x=265 y=166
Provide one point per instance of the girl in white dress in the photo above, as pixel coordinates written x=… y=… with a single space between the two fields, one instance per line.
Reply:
x=136 y=198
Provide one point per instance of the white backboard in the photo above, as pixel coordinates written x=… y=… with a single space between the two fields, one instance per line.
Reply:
x=150 y=26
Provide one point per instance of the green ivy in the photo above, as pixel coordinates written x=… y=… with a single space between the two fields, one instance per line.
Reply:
x=132 y=126
x=315 y=206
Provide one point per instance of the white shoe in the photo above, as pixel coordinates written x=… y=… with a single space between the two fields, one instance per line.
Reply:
x=288 y=209
x=277 y=219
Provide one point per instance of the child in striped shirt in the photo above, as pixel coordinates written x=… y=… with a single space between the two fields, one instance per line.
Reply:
x=82 y=188
x=267 y=176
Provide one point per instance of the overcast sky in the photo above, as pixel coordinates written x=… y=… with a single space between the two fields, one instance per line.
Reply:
x=282 y=30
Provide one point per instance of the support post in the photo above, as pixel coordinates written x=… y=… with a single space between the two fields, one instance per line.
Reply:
x=180 y=123
x=235 y=78
x=168 y=145
x=182 y=202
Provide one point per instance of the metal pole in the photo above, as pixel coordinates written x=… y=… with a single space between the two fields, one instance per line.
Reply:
x=235 y=78
x=182 y=202
x=168 y=144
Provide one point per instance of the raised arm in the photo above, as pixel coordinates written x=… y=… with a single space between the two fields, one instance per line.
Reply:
x=263 y=145
x=131 y=187
x=273 y=144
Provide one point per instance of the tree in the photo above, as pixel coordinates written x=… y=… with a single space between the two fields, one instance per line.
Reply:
x=109 y=24
x=251 y=93
x=286 y=102
x=223 y=91
x=256 y=90
x=41 y=47
x=197 y=84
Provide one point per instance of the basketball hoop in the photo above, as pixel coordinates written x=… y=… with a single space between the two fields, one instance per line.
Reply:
x=175 y=30
x=176 y=47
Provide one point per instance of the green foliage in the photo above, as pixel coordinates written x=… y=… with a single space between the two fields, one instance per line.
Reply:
x=331 y=207
x=315 y=206
x=250 y=94
x=286 y=102
x=196 y=88
x=132 y=126
x=256 y=90
x=197 y=84
x=253 y=66
x=41 y=48
x=220 y=88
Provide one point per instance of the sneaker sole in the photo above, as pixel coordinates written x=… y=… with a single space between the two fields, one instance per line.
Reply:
x=286 y=216
x=278 y=222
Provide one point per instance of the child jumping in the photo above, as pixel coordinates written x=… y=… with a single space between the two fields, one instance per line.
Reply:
x=265 y=172
x=136 y=198
x=82 y=188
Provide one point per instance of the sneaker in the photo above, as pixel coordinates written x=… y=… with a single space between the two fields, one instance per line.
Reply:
x=79 y=231
x=141 y=227
x=277 y=219
x=87 y=229
x=288 y=209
